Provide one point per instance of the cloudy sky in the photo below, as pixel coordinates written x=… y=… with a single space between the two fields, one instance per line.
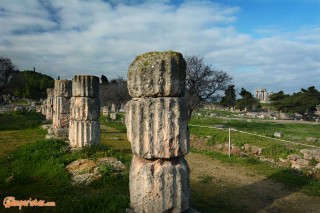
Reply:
x=272 y=44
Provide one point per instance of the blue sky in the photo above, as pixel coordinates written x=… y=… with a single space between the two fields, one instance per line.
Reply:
x=272 y=44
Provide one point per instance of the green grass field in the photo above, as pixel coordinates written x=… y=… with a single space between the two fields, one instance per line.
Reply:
x=31 y=167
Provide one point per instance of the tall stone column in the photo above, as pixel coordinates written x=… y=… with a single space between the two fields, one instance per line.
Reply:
x=157 y=128
x=61 y=107
x=84 y=126
x=265 y=97
x=44 y=108
x=50 y=95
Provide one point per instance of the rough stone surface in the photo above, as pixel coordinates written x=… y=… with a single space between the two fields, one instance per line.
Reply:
x=106 y=110
x=84 y=133
x=311 y=153
x=85 y=86
x=60 y=121
x=61 y=132
x=311 y=139
x=293 y=157
x=50 y=98
x=113 y=116
x=159 y=185
x=157 y=74
x=85 y=171
x=302 y=162
x=61 y=105
x=63 y=88
x=84 y=108
x=318 y=166
x=157 y=127
x=277 y=134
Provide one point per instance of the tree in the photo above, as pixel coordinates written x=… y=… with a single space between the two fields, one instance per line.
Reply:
x=301 y=102
x=247 y=101
x=229 y=99
x=115 y=92
x=30 y=84
x=203 y=82
x=7 y=69
x=104 y=79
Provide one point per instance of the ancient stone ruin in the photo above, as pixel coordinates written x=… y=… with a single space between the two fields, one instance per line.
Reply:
x=61 y=107
x=262 y=95
x=156 y=120
x=84 y=126
x=50 y=95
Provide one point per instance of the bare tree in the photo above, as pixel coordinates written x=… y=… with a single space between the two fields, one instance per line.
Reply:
x=114 y=92
x=7 y=69
x=203 y=82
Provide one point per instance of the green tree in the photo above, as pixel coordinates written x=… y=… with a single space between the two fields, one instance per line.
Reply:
x=247 y=101
x=303 y=102
x=229 y=99
x=104 y=79
x=7 y=70
x=30 y=84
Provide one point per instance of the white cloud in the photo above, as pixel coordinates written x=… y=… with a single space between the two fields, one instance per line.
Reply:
x=94 y=37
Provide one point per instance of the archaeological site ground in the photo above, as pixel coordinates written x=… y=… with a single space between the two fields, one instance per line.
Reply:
x=145 y=155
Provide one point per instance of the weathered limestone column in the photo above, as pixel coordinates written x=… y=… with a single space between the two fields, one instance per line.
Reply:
x=61 y=107
x=106 y=111
x=84 y=126
x=50 y=95
x=44 y=108
x=156 y=120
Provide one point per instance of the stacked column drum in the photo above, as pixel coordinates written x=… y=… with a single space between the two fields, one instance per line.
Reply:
x=50 y=97
x=84 y=126
x=157 y=128
x=61 y=105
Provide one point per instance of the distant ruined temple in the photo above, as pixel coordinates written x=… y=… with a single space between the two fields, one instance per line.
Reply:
x=263 y=96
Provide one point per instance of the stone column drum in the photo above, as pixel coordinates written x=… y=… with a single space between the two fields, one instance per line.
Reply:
x=44 y=107
x=157 y=128
x=50 y=95
x=84 y=126
x=61 y=107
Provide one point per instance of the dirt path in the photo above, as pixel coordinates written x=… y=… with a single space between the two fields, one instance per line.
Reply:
x=235 y=189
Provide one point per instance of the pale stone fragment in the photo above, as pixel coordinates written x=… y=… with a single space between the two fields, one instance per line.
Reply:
x=50 y=98
x=159 y=185
x=157 y=127
x=85 y=86
x=84 y=108
x=61 y=105
x=84 y=133
x=60 y=120
x=106 y=111
x=157 y=74
x=63 y=88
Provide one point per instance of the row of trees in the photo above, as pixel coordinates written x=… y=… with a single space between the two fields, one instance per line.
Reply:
x=28 y=84
x=303 y=102
x=203 y=84
x=246 y=100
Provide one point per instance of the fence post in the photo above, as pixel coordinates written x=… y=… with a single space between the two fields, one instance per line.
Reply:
x=229 y=142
